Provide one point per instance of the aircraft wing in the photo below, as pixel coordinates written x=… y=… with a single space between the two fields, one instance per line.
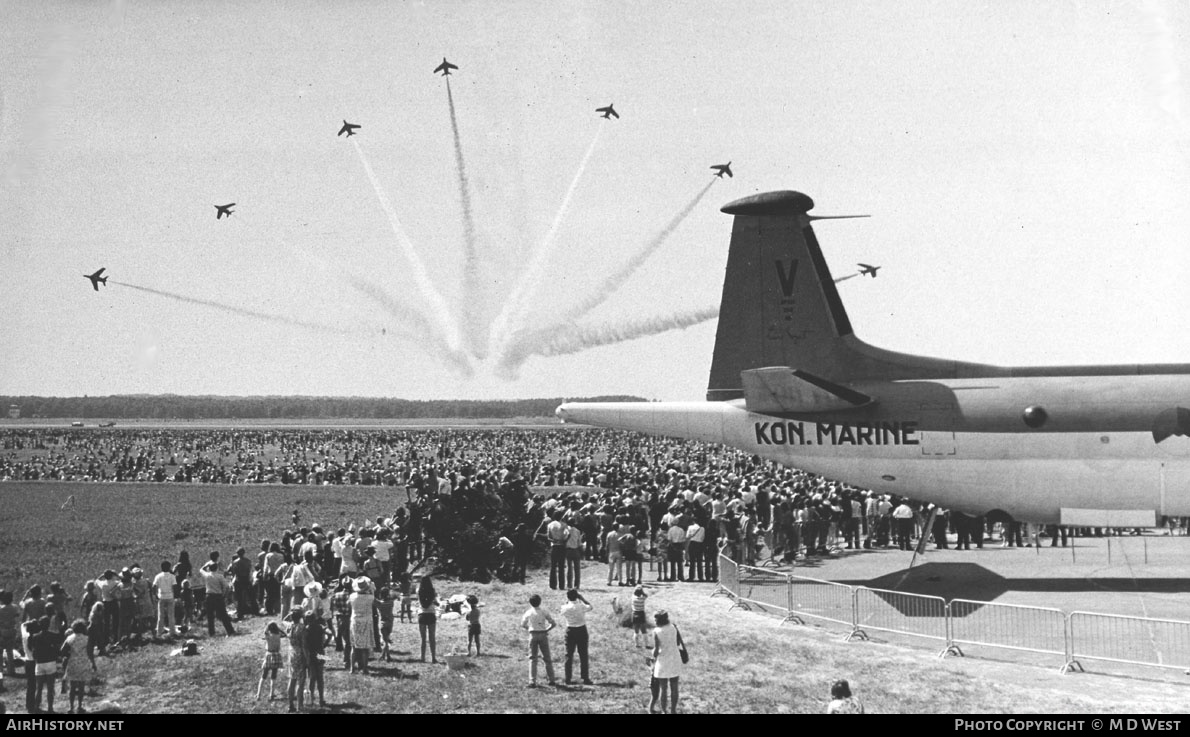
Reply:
x=782 y=390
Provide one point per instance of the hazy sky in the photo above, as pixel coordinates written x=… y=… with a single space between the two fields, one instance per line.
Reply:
x=1024 y=163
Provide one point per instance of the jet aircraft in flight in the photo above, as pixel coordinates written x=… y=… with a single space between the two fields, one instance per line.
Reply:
x=1097 y=445
x=608 y=112
x=96 y=279
x=224 y=210
x=445 y=67
x=348 y=128
x=868 y=270
x=722 y=169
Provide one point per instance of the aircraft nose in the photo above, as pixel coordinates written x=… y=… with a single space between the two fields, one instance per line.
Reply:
x=562 y=413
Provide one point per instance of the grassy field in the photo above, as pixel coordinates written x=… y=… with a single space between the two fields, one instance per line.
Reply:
x=115 y=525
x=742 y=662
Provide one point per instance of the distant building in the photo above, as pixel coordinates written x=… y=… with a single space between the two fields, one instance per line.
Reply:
x=14 y=411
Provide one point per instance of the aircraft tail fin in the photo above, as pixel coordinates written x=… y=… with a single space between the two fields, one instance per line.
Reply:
x=780 y=306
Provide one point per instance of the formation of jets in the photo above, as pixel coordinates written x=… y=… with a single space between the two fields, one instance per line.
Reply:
x=608 y=112
x=445 y=67
x=348 y=128
x=722 y=169
x=96 y=279
x=868 y=270
x=221 y=210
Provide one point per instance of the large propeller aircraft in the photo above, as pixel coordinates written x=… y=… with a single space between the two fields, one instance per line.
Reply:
x=1105 y=445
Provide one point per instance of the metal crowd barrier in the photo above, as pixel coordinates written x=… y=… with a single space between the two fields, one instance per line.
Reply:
x=729 y=581
x=1161 y=643
x=764 y=588
x=903 y=613
x=1008 y=626
x=823 y=600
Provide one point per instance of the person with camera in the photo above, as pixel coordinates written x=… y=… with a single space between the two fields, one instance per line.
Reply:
x=574 y=613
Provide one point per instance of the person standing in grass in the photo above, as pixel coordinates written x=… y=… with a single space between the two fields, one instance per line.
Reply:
x=341 y=606
x=538 y=623
x=362 y=643
x=473 y=628
x=125 y=602
x=10 y=615
x=315 y=656
x=666 y=662
x=216 y=596
x=615 y=563
x=574 y=613
x=427 y=618
x=164 y=583
x=385 y=602
x=44 y=648
x=640 y=625
x=96 y=630
x=272 y=659
x=297 y=659
x=77 y=652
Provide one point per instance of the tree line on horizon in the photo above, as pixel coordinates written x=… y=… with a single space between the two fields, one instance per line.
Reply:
x=173 y=406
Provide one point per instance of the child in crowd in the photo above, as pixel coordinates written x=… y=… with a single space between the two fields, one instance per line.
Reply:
x=77 y=652
x=473 y=628
x=384 y=604
x=405 y=582
x=272 y=659
x=297 y=658
x=640 y=627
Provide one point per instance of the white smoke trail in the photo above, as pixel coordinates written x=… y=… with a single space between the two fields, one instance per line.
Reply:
x=447 y=326
x=845 y=278
x=415 y=327
x=574 y=339
x=609 y=285
x=472 y=311
x=517 y=305
x=243 y=312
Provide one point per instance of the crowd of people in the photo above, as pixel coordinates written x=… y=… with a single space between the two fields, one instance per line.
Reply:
x=619 y=499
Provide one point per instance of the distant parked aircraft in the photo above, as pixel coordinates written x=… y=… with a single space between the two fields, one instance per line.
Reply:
x=445 y=67
x=608 y=112
x=96 y=279
x=348 y=128
x=224 y=210
x=723 y=169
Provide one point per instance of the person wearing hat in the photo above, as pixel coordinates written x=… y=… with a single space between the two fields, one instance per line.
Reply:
x=362 y=604
x=216 y=596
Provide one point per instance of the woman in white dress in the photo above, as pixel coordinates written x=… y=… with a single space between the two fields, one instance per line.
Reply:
x=667 y=663
x=362 y=603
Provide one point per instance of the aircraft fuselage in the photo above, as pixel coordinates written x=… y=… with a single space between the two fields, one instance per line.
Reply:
x=963 y=443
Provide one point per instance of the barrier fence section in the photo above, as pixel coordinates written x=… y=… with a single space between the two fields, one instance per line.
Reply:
x=764 y=588
x=729 y=578
x=823 y=600
x=907 y=614
x=1009 y=626
x=1163 y=643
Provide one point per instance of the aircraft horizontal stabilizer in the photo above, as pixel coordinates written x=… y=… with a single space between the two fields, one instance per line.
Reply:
x=781 y=390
